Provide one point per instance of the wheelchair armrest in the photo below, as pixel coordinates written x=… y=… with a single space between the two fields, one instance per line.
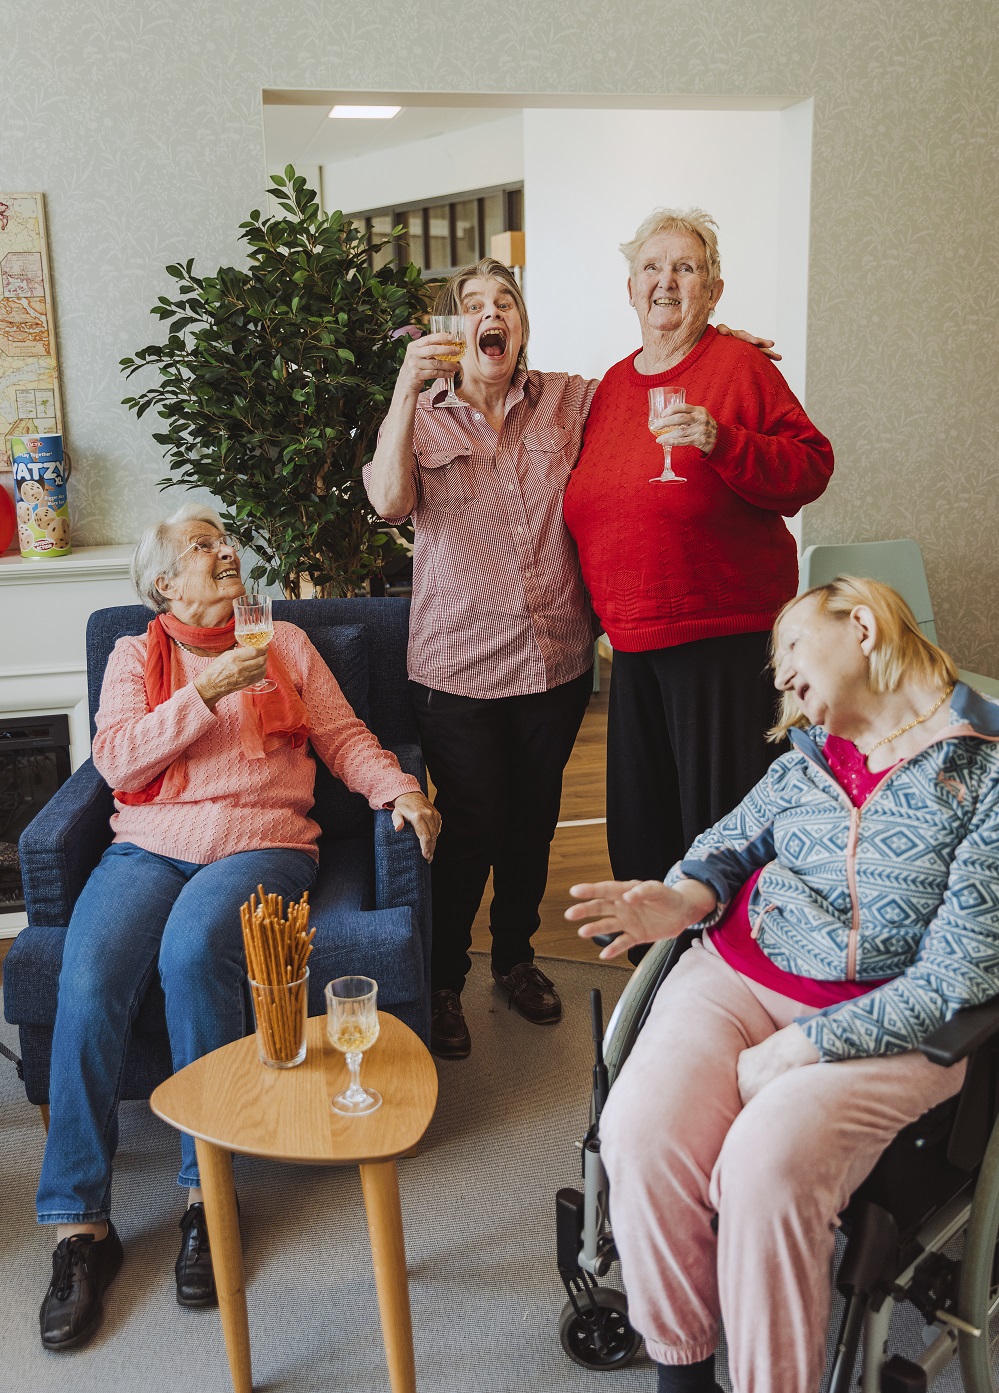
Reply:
x=61 y=846
x=962 y=1034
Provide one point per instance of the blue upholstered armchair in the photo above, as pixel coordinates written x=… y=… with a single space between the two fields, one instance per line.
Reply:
x=370 y=902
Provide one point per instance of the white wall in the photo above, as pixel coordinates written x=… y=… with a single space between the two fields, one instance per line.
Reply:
x=591 y=176
x=487 y=153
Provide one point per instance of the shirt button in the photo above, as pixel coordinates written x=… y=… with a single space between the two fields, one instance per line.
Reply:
x=510 y=487
x=520 y=529
x=478 y=415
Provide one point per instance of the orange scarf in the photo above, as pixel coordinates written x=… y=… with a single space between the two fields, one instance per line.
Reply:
x=267 y=719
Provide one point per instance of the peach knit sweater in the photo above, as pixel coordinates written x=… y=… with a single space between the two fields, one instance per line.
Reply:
x=231 y=803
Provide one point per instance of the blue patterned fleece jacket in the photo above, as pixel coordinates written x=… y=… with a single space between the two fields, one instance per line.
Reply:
x=905 y=887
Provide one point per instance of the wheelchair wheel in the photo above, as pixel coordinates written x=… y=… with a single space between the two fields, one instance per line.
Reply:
x=978 y=1294
x=621 y=1341
x=631 y=1009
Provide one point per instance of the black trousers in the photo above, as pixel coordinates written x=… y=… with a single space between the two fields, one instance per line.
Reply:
x=684 y=745
x=497 y=765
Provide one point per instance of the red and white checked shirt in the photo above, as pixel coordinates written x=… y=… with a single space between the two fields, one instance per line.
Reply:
x=499 y=607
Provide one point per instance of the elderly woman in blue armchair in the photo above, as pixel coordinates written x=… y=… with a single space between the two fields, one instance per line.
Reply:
x=213 y=788
x=849 y=908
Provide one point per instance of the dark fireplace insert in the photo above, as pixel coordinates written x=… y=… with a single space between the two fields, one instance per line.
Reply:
x=34 y=761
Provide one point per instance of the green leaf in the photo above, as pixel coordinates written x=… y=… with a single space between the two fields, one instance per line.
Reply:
x=272 y=380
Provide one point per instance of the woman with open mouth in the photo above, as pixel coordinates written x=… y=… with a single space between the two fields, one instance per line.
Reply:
x=687 y=571
x=501 y=631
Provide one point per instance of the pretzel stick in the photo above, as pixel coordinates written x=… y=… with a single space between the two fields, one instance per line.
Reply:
x=278 y=947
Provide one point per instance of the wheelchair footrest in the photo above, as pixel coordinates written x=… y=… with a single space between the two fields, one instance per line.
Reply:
x=569 y=1206
x=900 y=1375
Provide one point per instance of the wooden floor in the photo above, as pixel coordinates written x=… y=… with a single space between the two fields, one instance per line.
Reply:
x=578 y=853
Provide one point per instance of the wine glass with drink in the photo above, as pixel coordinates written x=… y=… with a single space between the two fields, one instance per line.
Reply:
x=454 y=326
x=352 y=1026
x=660 y=400
x=254 y=629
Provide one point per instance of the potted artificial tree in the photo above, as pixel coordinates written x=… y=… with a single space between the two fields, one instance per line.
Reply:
x=272 y=383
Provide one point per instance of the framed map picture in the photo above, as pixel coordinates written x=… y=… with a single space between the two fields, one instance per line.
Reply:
x=29 y=368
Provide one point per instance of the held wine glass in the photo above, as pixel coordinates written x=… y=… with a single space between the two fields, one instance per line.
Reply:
x=254 y=629
x=454 y=326
x=352 y=1026
x=660 y=399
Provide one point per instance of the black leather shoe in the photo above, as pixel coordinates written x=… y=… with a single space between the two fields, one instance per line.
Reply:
x=532 y=993
x=449 y=1037
x=83 y=1267
x=195 y=1277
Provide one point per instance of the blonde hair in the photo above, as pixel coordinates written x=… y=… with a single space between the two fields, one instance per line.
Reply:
x=902 y=649
x=489 y=269
x=691 y=220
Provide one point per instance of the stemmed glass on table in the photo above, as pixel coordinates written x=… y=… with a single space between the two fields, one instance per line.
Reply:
x=660 y=400
x=254 y=629
x=454 y=326
x=352 y=1026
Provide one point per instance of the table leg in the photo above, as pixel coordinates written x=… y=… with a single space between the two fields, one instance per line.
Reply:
x=215 y=1165
x=380 y=1183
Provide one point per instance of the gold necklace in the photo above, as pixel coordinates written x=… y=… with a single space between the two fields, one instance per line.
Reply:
x=912 y=724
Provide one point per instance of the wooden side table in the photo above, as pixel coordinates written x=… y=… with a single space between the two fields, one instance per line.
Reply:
x=230 y=1102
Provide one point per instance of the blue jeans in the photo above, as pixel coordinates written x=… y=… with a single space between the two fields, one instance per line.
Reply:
x=140 y=914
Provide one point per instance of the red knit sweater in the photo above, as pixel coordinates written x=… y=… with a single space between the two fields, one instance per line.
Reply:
x=671 y=563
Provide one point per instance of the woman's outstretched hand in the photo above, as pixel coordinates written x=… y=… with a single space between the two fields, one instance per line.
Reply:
x=422 y=816
x=789 y=1048
x=765 y=346
x=639 y=911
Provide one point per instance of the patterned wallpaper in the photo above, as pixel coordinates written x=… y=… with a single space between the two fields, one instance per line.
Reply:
x=142 y=124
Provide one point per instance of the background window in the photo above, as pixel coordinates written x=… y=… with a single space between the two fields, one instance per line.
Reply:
x=440 y=237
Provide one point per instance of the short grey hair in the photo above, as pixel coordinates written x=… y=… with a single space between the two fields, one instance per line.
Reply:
x=692 y=220
x=157 y=550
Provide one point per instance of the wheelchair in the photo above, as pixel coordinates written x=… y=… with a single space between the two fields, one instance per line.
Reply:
x=922 y=1229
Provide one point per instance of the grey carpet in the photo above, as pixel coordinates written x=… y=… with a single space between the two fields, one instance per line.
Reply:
x=478 y=1207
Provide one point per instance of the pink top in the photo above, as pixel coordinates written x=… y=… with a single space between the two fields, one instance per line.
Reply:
x=231 y=803
x=732 y=935
x=499 y=607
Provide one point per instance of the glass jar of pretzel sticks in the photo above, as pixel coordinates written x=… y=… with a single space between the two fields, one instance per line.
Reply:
x=277 y=951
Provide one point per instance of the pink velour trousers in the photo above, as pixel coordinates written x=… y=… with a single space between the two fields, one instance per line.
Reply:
x=679 y=1147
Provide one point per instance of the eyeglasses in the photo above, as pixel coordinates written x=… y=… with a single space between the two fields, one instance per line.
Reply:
x=210 y=545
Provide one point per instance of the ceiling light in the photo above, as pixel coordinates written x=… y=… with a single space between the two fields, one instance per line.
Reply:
x=365 y=113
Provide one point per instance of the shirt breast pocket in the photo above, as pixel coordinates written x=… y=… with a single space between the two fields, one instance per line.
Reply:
x=550 y=455
x=446 y=480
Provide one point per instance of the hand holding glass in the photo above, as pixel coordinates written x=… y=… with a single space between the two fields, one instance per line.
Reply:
x=660 y=400
x=352 y=1026
x=254 y=629
x=454 y=326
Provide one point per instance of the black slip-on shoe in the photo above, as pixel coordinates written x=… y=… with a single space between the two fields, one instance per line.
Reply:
x=449 y=1037
x=531 y=992
x=83 y=1267
x=193 y=1268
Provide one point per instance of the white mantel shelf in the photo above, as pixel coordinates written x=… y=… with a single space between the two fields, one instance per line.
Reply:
x=44 y=608
x=87 y=563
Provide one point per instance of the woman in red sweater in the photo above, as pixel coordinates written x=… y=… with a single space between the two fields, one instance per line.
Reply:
x=687 y=577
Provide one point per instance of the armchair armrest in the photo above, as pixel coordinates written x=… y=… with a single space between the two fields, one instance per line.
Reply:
x=402 y=876
x=962 y=1034
x=61 y=846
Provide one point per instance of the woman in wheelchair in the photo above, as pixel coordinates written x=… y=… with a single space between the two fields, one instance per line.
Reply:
x=213 y=788
x=849 y=907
